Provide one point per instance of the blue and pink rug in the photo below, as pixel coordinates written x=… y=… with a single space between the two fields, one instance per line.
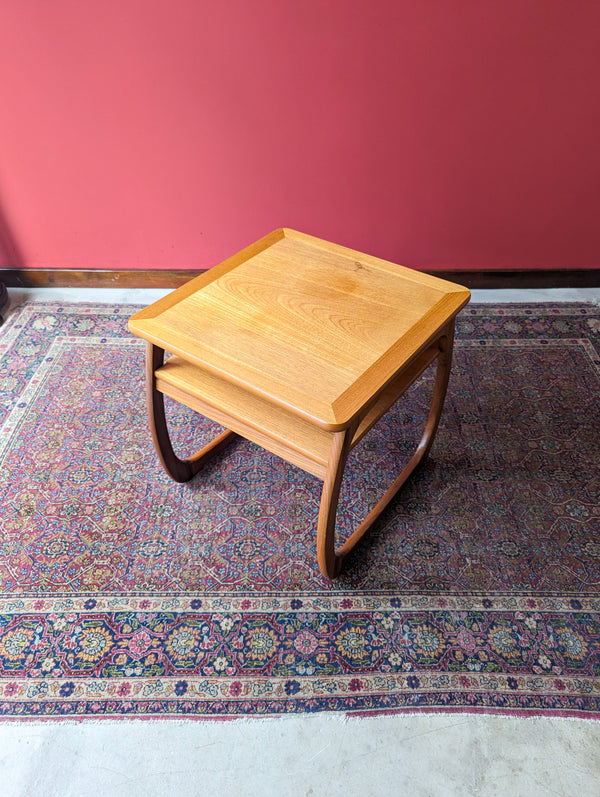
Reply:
x=123 y=593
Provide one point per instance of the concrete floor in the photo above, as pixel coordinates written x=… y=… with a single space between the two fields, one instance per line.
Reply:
x=427 y=755
x=418 y=756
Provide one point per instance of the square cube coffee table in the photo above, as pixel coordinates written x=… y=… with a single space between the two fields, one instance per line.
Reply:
x=301 y=346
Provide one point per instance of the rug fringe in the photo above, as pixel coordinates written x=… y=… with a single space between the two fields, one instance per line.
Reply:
x=324 y=717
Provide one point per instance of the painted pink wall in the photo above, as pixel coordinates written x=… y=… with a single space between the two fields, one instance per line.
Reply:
x=170 y=133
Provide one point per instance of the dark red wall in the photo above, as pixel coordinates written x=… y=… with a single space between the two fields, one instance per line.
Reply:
x=170 y=133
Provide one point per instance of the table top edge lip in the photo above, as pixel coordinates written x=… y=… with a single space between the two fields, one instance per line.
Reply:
x=383 y=366
x=408 y=272
x=210 y=275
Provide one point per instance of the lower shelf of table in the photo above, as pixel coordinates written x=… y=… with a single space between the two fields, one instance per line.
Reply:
x=272 y=427
x=257 y=420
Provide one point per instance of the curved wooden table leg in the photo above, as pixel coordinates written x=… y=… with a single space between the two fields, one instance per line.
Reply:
x=181 y=470
x=330 y=559
x=330 y=562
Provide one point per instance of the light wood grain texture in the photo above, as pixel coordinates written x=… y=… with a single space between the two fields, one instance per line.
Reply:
x=310 y=326
x=301 y=346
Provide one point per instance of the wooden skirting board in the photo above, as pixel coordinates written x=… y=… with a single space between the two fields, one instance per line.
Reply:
x=95 y=278
x=158 y=278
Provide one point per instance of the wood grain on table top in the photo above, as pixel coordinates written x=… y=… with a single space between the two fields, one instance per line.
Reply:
x=309 y=325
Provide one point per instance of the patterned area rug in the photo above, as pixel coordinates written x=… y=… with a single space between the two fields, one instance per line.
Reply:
x=123 y=593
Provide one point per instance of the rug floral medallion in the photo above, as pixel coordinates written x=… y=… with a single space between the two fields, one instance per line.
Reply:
x=123 y=593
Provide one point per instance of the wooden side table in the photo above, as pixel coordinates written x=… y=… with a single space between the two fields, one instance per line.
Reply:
x=301 y=346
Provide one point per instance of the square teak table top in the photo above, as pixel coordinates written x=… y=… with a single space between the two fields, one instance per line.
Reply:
x=301 y=346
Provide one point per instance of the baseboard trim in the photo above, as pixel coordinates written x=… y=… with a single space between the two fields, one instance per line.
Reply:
x=95 y=278
x=165 y=279
x=522 y=280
